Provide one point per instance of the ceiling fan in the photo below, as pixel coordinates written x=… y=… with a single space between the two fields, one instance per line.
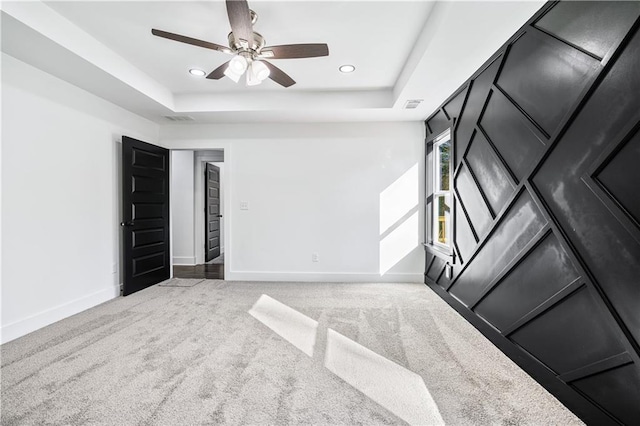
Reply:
x=249 y=49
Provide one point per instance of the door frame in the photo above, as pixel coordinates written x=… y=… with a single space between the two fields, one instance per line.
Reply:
x=207 y=145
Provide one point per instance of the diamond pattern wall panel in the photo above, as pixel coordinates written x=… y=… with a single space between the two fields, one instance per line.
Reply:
x=547 y=204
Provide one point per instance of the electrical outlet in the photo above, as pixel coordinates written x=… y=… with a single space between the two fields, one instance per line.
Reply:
x=315 y=257
x=114 y=268
x=244 y=205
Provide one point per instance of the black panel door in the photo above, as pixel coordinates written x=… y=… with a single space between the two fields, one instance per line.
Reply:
x=212 y=206
x=145 y=202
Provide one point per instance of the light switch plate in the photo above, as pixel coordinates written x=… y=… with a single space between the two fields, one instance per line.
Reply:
x=244 y=205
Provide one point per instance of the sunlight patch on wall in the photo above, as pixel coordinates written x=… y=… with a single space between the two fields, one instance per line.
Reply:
x=392 y=386
x=399 y=243
x=399 y=198
x=298 y=329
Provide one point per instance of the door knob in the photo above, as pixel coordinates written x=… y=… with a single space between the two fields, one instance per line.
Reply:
x=126 y=223
x=219 y=215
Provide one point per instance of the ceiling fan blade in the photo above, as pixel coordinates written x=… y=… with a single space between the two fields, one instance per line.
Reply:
x=279 y=76
x=189 y=40
x=218 y=73
x=292 y=51
x=240 y=20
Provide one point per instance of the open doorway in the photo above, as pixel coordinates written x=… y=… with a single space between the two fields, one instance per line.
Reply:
x=198 y=220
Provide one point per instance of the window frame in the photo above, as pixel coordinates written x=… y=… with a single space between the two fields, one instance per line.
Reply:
x=444 y=251
x=442 y=138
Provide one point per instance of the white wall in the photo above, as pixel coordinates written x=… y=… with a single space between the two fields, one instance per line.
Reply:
x=60 y=197
x=182 y=207
x=347 y=191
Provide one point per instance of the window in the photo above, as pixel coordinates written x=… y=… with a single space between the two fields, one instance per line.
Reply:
x=442 y=199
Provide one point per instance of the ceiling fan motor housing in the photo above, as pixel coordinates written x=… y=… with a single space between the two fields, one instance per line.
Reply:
x=256 y=47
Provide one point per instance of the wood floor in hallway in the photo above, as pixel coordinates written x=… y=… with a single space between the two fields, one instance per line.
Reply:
x=206 y=271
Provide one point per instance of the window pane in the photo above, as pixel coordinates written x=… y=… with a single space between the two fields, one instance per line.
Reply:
x=444 y=159
x=442 y=219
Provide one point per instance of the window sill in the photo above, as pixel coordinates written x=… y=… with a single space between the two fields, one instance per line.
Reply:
x=442 y=253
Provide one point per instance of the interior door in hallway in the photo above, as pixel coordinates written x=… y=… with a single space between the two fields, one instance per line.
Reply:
x=145 y=216
x=212 y=214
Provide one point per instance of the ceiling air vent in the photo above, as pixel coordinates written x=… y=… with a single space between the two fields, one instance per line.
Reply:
x=179 y=118
x=412 y=103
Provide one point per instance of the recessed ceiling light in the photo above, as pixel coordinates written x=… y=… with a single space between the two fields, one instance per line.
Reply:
x=197 y=72
x=347 y=68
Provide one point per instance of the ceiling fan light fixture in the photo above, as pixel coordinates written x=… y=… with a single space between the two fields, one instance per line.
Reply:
x=237 y=67
x=232 y=74
x=346 y=69
x=197 y=72
x=252 y=80
x=260 y=70
x=238 y=64
x=257 y=73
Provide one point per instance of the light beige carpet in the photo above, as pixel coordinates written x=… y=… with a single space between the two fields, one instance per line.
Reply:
x=268 y=353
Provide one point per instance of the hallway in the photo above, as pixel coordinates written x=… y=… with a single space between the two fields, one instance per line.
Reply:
x=213 y=270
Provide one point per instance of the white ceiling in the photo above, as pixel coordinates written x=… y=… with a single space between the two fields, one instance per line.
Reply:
x=401 y=49
x=376 y=37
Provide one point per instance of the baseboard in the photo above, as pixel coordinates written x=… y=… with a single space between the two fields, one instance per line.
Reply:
x=49 y=316
x=356 y=277
x=184 y=260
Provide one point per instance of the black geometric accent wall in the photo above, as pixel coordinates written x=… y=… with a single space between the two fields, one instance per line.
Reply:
x=546 y=238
